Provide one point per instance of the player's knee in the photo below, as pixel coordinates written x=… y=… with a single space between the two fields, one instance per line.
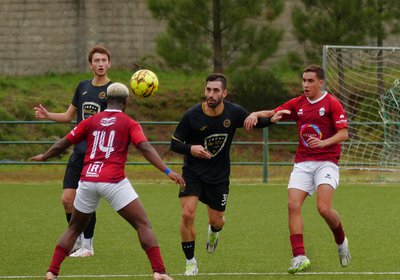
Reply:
x=218 y=223
x=188 y=217
x=324 y=210
x=68 y=203
x=294 y=206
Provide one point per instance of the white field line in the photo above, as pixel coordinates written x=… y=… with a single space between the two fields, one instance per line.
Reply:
x=105 y=276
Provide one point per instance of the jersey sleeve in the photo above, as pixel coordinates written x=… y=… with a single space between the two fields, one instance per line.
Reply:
x=136 y=133
x=75 y=98
x=338 y=114
x=182 y=130
x=241 y=114
x=289 y=105
x=78 y=134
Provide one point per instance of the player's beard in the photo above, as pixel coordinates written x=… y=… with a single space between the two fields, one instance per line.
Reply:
x=213 y=103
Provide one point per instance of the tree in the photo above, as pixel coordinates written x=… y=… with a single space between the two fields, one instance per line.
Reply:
x=382 y=19
x=344 y=22
x=221 y=33
x=326 y=22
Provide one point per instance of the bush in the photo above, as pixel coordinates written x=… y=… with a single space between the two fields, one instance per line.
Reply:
x=257 y=89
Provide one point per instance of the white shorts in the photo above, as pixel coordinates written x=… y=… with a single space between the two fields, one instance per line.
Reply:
x=118 y=195
x=308 y=175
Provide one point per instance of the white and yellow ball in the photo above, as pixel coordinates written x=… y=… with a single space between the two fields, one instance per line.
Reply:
x=144 y=83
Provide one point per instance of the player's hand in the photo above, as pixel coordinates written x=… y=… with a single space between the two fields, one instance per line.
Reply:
x=177 y=178
x=200 y=152
x=314 y=142
x=37 y=158
x=278 y=115
x=250 y=121
x=41 y=112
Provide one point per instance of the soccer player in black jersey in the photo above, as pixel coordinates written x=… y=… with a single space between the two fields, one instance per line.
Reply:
x=89 y=99
x=204 y=135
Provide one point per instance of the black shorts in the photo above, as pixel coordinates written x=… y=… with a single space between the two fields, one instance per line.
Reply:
x=73 y=171
x=213 y=195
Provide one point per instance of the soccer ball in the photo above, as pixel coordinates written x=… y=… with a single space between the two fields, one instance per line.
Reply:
x=144 y=83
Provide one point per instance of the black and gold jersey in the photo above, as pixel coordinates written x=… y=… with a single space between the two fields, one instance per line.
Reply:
x=215 y=134
x=88 y=100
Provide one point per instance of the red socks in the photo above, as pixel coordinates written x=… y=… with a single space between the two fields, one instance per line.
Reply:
x=155 y=259
x=338 y=233
x=296 y=240
x=58 y=257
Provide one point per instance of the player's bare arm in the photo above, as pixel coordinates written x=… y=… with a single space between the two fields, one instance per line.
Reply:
x=42 y=113
x=252 y=119
x=154 y=158
x=340 y=136
x=278 y=115
x=59 y=147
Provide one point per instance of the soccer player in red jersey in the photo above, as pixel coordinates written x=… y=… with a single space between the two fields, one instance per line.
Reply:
x=322 y=126
x=108 y=135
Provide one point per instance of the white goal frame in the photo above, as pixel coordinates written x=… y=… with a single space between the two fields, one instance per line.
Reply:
x=366 y=81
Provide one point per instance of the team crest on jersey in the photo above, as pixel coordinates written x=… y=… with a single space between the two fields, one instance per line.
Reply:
x=322 y=111
x=108 y=121
x=102 y=95
x=227 y=123
x=215 y=143
x=89 y=109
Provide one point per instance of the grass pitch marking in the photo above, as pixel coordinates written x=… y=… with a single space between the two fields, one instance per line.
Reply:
x=104 y=276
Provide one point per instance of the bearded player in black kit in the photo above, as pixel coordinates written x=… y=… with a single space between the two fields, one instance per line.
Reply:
x=89 y=99
x=204 y=135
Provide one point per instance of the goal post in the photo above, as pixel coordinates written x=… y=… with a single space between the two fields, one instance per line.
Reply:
x=367 y=82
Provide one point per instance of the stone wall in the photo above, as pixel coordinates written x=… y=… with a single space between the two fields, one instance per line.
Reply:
x=39 y=36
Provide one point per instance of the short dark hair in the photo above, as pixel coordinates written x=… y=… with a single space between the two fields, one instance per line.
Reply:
x=98 y=49
x=318 y=70
x=217 y=77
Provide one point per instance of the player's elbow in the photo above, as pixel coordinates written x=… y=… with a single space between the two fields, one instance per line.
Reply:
x=345 y=135
x=179 y=147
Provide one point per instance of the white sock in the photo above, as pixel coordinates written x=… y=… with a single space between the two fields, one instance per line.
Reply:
x=87 y=243
x=193 y=260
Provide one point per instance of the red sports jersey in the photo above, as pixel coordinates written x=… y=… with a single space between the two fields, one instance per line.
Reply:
x=321 y=118
x=108 y=135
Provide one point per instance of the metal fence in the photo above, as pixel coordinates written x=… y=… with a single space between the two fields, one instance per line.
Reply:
x=264 y=161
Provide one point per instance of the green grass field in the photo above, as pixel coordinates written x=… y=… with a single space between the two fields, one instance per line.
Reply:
x=253 y=245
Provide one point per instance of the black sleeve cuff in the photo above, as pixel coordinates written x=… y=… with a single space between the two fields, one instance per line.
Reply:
x=180 y=147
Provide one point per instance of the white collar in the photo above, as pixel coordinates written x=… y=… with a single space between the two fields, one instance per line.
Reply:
x=324 y=93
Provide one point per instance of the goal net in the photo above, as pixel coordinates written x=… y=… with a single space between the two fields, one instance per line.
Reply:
x=367 y=82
